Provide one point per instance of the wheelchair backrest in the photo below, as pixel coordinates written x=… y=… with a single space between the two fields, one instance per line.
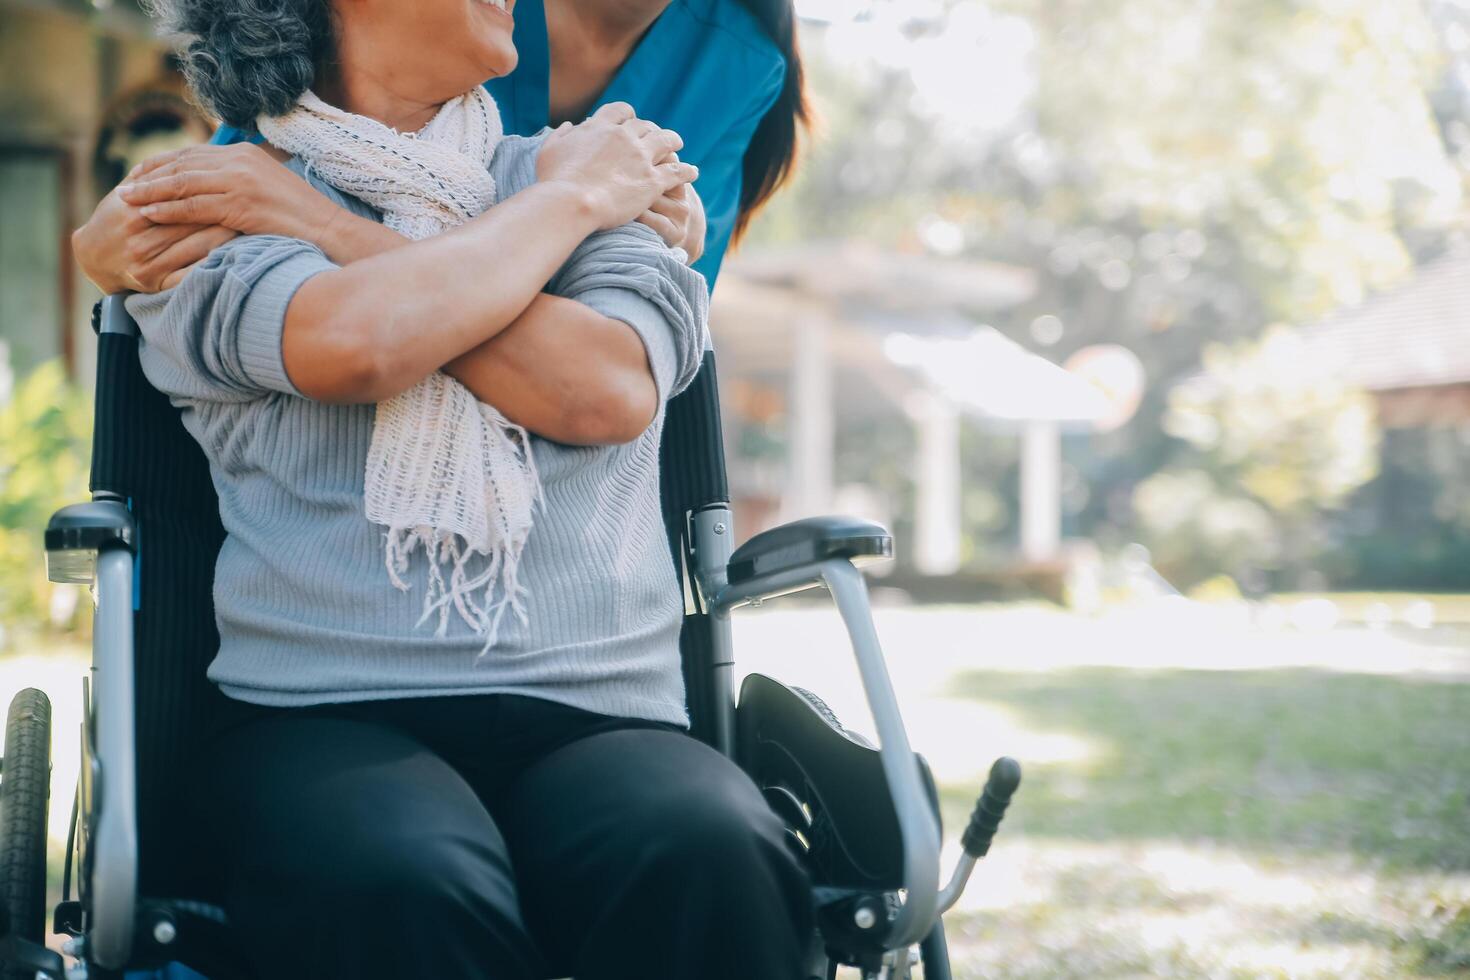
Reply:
x=142 y=454
x=692 y=477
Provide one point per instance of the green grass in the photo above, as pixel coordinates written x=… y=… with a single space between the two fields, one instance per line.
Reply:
x=1280 y=761
x=1354 y=788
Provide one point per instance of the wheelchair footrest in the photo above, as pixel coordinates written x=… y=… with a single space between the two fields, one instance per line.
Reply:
x=828 y=784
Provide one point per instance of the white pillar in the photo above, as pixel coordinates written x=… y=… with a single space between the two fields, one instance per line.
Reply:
x=1041 y=491
x=937 y=515
x=809 y=448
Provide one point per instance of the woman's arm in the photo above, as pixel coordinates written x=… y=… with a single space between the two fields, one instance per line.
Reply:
x=372 y=329
x=621 y=328
x=568 y=373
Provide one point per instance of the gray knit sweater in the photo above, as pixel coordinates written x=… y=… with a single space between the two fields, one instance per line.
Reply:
x=305 y=609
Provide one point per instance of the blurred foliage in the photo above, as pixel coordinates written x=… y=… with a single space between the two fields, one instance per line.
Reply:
x=1274 y=441
x=45 y=440
x=1179 y=173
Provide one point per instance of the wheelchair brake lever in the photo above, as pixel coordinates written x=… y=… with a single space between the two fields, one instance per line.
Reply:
x=990 y=809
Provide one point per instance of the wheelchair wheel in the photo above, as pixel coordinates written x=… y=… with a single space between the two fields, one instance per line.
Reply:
x=25 y=786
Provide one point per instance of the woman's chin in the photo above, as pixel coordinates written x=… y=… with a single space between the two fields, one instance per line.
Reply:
x=492 y=35
x=502 y=61
x=472 y=68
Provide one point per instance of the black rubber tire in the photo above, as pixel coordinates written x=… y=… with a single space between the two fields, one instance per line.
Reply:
x=25 y=789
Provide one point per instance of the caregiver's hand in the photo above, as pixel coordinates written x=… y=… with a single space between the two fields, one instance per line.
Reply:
x=122 y=251
x=244 y=189
x=613 y=159
x=240 y=187
x=678 y=217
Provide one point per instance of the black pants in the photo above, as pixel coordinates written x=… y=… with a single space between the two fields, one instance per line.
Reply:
x=496 y=837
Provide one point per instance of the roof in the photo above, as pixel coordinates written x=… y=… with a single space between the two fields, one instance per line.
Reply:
x=1416 y=335
x=901 y=323
x=860 y=277
x=990 y=376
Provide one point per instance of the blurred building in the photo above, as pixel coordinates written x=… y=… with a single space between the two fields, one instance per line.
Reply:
x=827 y=338
x=86 y=90
x=1408 y=346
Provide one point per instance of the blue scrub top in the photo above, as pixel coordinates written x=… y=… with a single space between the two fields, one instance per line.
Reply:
x=704 y=69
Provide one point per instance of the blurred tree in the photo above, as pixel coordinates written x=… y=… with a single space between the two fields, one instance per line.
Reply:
x=45 y=439
x=1303 y=129
x=1274 y=442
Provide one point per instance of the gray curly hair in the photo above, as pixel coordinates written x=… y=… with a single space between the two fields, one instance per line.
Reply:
x=248 y=58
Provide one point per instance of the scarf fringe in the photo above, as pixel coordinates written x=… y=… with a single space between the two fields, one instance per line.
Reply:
x=453 y=588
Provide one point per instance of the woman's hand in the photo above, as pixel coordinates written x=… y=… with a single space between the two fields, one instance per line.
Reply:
x=613 y=160
x=121 y=251
x=240 y=187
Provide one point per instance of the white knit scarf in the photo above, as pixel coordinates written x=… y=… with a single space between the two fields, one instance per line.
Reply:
x=444 y=471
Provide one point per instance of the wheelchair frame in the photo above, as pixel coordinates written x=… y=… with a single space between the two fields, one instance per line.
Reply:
x=96 y=543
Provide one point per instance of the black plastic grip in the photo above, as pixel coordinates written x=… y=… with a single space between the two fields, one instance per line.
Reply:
x=1005 y=776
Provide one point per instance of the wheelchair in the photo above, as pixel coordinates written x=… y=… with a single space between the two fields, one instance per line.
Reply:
x=865 y=819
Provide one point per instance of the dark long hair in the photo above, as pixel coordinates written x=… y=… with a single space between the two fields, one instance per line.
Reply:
x=771 y=156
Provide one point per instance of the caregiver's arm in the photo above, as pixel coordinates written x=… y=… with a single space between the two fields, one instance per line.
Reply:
x=121 y=251
x=242 y=187
x=156 y=223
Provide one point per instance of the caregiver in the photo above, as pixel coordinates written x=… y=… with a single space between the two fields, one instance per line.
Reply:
x=725 y=74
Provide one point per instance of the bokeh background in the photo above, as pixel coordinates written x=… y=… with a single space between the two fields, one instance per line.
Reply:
x=1146 y=327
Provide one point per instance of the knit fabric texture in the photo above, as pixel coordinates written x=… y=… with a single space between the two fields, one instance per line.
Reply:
x=447 y=475
x=303 y=614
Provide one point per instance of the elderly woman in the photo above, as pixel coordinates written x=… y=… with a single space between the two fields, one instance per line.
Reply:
x=448 y=620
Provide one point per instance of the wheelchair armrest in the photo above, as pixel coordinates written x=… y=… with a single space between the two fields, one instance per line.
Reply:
x=78 y=532
x=808 y=542
x=824 y=551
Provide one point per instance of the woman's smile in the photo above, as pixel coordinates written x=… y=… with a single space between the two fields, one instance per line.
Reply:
x=502 y=8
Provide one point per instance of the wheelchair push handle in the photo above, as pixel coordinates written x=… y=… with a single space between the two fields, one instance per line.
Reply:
x=1005 y=778
x=990 y=809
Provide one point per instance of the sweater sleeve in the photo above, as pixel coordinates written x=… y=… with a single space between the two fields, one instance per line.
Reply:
x=627 y=274
x=216 y=336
